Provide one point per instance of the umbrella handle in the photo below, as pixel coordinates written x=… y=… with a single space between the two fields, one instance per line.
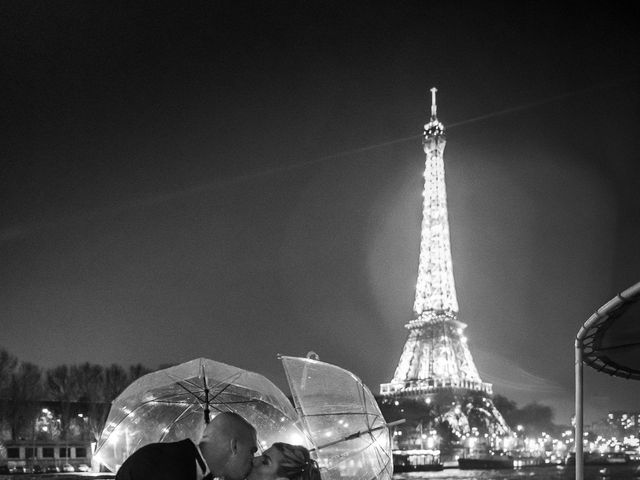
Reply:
x=357 y=434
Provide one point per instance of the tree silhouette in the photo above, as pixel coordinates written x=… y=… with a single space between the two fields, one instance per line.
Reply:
x=8 y=365
x=116 y=380
x=137 y=371
x=24 y=391
x=77 y=397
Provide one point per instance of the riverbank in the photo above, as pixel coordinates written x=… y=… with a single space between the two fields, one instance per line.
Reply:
x=546 y=472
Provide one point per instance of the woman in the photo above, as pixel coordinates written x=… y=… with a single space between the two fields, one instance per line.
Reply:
x=283 y=461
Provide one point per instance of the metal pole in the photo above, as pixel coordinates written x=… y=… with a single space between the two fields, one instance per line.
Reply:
x=578 y=439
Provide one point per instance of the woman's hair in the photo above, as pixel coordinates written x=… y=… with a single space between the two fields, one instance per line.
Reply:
x=296 y=463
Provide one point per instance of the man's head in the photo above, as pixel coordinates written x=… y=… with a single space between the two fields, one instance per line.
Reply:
x=228 y=445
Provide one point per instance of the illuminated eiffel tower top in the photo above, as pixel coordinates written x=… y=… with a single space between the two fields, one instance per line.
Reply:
x=435 y=355
x=435 y=289
x=436 y=364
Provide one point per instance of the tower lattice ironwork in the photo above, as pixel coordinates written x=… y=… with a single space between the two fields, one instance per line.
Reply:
x=436 y=356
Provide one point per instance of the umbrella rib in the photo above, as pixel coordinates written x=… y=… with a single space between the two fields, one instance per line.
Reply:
x=168 y=402
x=379 y=455
x=175 y=420
x=363 y=401
x=174 y=395
x=383 y=467
x=219 y=402
x=226 y=404
x=167 y=396
x=360 y=450
x=339 y=413
x=177 y=380
x=236 y=401
x=351 y=436
x=228 y=381
x=214 y=406
x=377 y=451
x=190 y=392
x=222 y=390
x=158 y=400
x=122 y=420
x=176 y=402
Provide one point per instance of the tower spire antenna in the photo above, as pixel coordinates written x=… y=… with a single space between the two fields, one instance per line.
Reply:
x=434 y=130
x=434 y=108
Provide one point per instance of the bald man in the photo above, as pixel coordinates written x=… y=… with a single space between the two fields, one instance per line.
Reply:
x=227 y=449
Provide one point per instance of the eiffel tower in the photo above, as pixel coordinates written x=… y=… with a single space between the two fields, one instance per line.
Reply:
x=436 y=365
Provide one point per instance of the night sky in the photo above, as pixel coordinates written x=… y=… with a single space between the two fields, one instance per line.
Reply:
x=235 y=180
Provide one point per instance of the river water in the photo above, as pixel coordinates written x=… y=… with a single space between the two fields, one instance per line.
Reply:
x=591 y=472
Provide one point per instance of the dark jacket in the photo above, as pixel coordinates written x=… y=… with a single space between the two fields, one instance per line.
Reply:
x=162 y=461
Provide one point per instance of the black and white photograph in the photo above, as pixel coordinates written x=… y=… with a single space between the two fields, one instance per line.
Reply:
x=320 y=240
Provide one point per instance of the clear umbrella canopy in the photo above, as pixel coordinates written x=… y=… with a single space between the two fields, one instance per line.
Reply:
x=172 y=404
x=342 y=419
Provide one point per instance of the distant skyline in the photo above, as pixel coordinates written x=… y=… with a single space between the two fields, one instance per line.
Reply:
x=237 y=180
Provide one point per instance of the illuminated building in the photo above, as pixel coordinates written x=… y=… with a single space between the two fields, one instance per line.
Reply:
x=626 y=421
x=436 y=365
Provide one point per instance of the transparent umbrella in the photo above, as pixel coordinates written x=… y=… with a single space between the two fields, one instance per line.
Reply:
x=175 y=403
x=341 y=417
